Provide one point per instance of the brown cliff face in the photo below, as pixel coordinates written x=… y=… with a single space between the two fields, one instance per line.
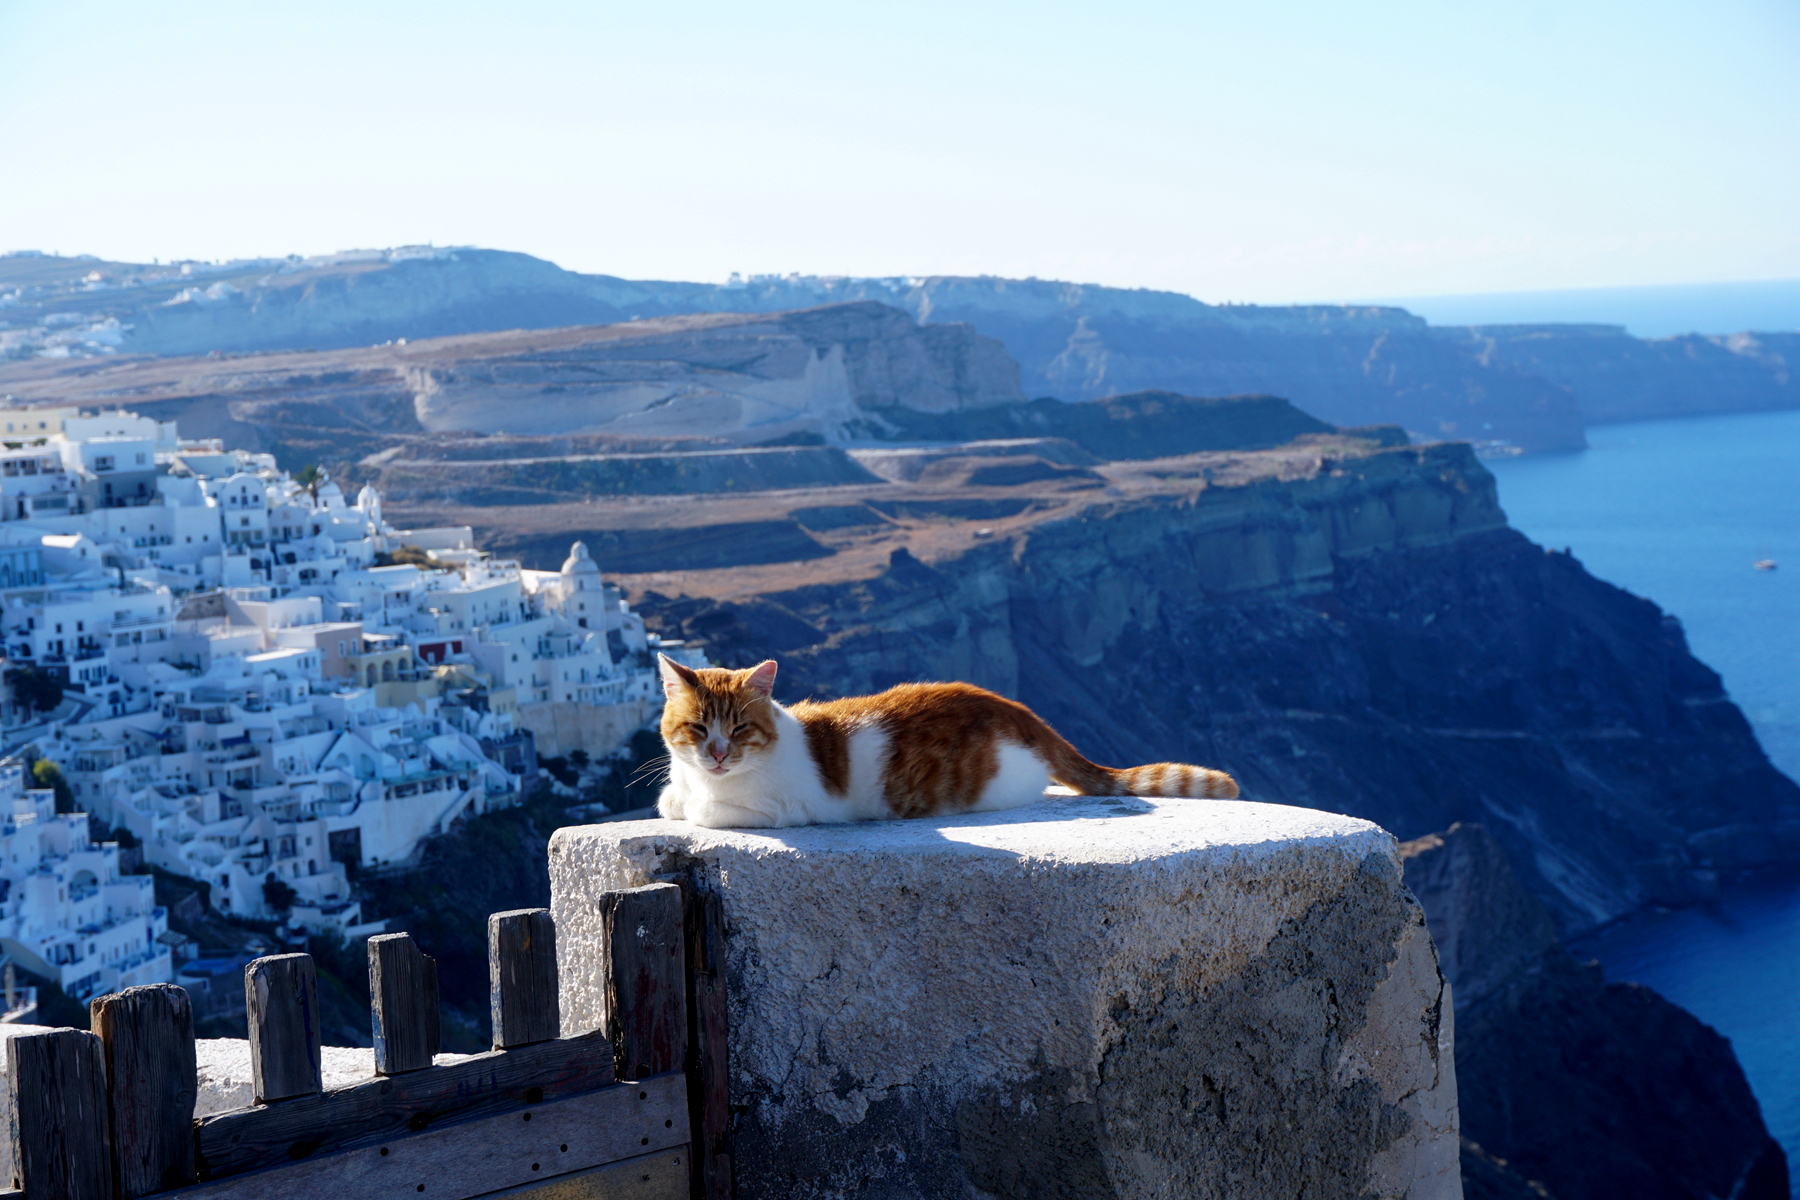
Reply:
x=1577 y=1087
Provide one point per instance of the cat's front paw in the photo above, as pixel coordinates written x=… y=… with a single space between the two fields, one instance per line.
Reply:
x=672 y=804
x=714 y=815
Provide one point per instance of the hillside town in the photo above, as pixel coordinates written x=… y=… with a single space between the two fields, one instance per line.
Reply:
x=261 y=685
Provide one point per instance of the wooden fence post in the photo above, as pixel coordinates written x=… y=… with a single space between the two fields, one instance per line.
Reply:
x=646 y=979
x=147 y=1043
x=281 y=998
x=709 y=1081
x=58 y=1118
x=522 y=977
x=403 y=1002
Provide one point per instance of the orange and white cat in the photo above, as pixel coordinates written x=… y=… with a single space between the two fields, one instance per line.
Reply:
x=739 y=759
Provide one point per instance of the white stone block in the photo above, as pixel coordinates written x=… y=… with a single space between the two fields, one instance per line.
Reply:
x=1088 y=997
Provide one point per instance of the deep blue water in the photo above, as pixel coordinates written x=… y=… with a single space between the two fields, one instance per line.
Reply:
x=1679 y=511
x=1736 y=967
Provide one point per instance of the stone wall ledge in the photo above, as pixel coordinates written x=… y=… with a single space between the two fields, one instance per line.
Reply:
x=1087 y=997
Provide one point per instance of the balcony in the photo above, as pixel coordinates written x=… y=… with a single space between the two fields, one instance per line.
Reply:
x=224 y=758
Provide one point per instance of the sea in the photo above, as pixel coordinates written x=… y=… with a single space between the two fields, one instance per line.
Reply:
x=1680 y=512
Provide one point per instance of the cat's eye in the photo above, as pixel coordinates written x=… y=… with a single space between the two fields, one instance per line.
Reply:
x=738 y=730
x=698 y=731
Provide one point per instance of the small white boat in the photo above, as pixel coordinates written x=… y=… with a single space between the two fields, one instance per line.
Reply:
x=1765 y=564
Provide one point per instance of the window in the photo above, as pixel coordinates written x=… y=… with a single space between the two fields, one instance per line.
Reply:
x=103 y=462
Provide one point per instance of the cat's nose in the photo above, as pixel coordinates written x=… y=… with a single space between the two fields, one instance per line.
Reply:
x=718 y=750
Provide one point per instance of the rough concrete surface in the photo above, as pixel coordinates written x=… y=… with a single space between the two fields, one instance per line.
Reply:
x=222 y=1066
x=1089 y=997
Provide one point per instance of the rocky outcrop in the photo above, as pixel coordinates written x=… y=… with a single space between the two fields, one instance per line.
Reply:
x=1347 y=365
x=1367 y=638
x=670 y=383
x=830 y=371
x=1617 y=377
x=1570 y=1085
x=1086 y=998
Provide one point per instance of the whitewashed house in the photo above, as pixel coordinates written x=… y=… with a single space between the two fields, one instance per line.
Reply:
x=66 y=913
x=258 y=700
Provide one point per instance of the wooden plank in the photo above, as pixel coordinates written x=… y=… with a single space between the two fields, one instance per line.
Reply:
x=709 y=1083
x=147 y=1043
x=461 y=1159
x=250 y=1139
x=646 y=979
x=58 y=1115
x=281 y=996
x=659 y=1176
x=522 y=977
x=403 y=1002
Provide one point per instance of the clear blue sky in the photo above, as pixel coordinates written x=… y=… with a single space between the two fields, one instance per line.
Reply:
x=1235 y=151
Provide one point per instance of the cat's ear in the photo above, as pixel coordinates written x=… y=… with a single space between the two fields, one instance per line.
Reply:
x=762 y=678
x=676 y=678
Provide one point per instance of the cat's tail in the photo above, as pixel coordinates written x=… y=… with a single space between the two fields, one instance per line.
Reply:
x=1071 y=769
x=1175 y=779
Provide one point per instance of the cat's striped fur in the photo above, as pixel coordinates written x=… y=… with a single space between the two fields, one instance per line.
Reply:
x=737 y=758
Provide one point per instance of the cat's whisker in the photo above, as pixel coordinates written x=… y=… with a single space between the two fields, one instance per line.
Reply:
x=652 y=769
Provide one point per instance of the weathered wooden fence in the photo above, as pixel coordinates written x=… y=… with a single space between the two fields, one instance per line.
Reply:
x=109 y=1114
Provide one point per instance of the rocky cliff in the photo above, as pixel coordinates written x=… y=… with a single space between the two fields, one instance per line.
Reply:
x=717 y=378
x=825 y=371
x=1571 y=1086
x=1351 y=365
x=1617 y=377
x=1346 y=365
x=1358 y=632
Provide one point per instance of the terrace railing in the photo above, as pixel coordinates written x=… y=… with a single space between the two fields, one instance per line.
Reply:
x=109 y=1114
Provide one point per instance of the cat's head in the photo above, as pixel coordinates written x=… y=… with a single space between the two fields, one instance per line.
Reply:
x=718 y=722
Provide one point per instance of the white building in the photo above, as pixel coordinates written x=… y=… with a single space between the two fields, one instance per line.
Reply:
x=65 y=911
x=245 y=775
x=34 y=484
x=254 y=689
